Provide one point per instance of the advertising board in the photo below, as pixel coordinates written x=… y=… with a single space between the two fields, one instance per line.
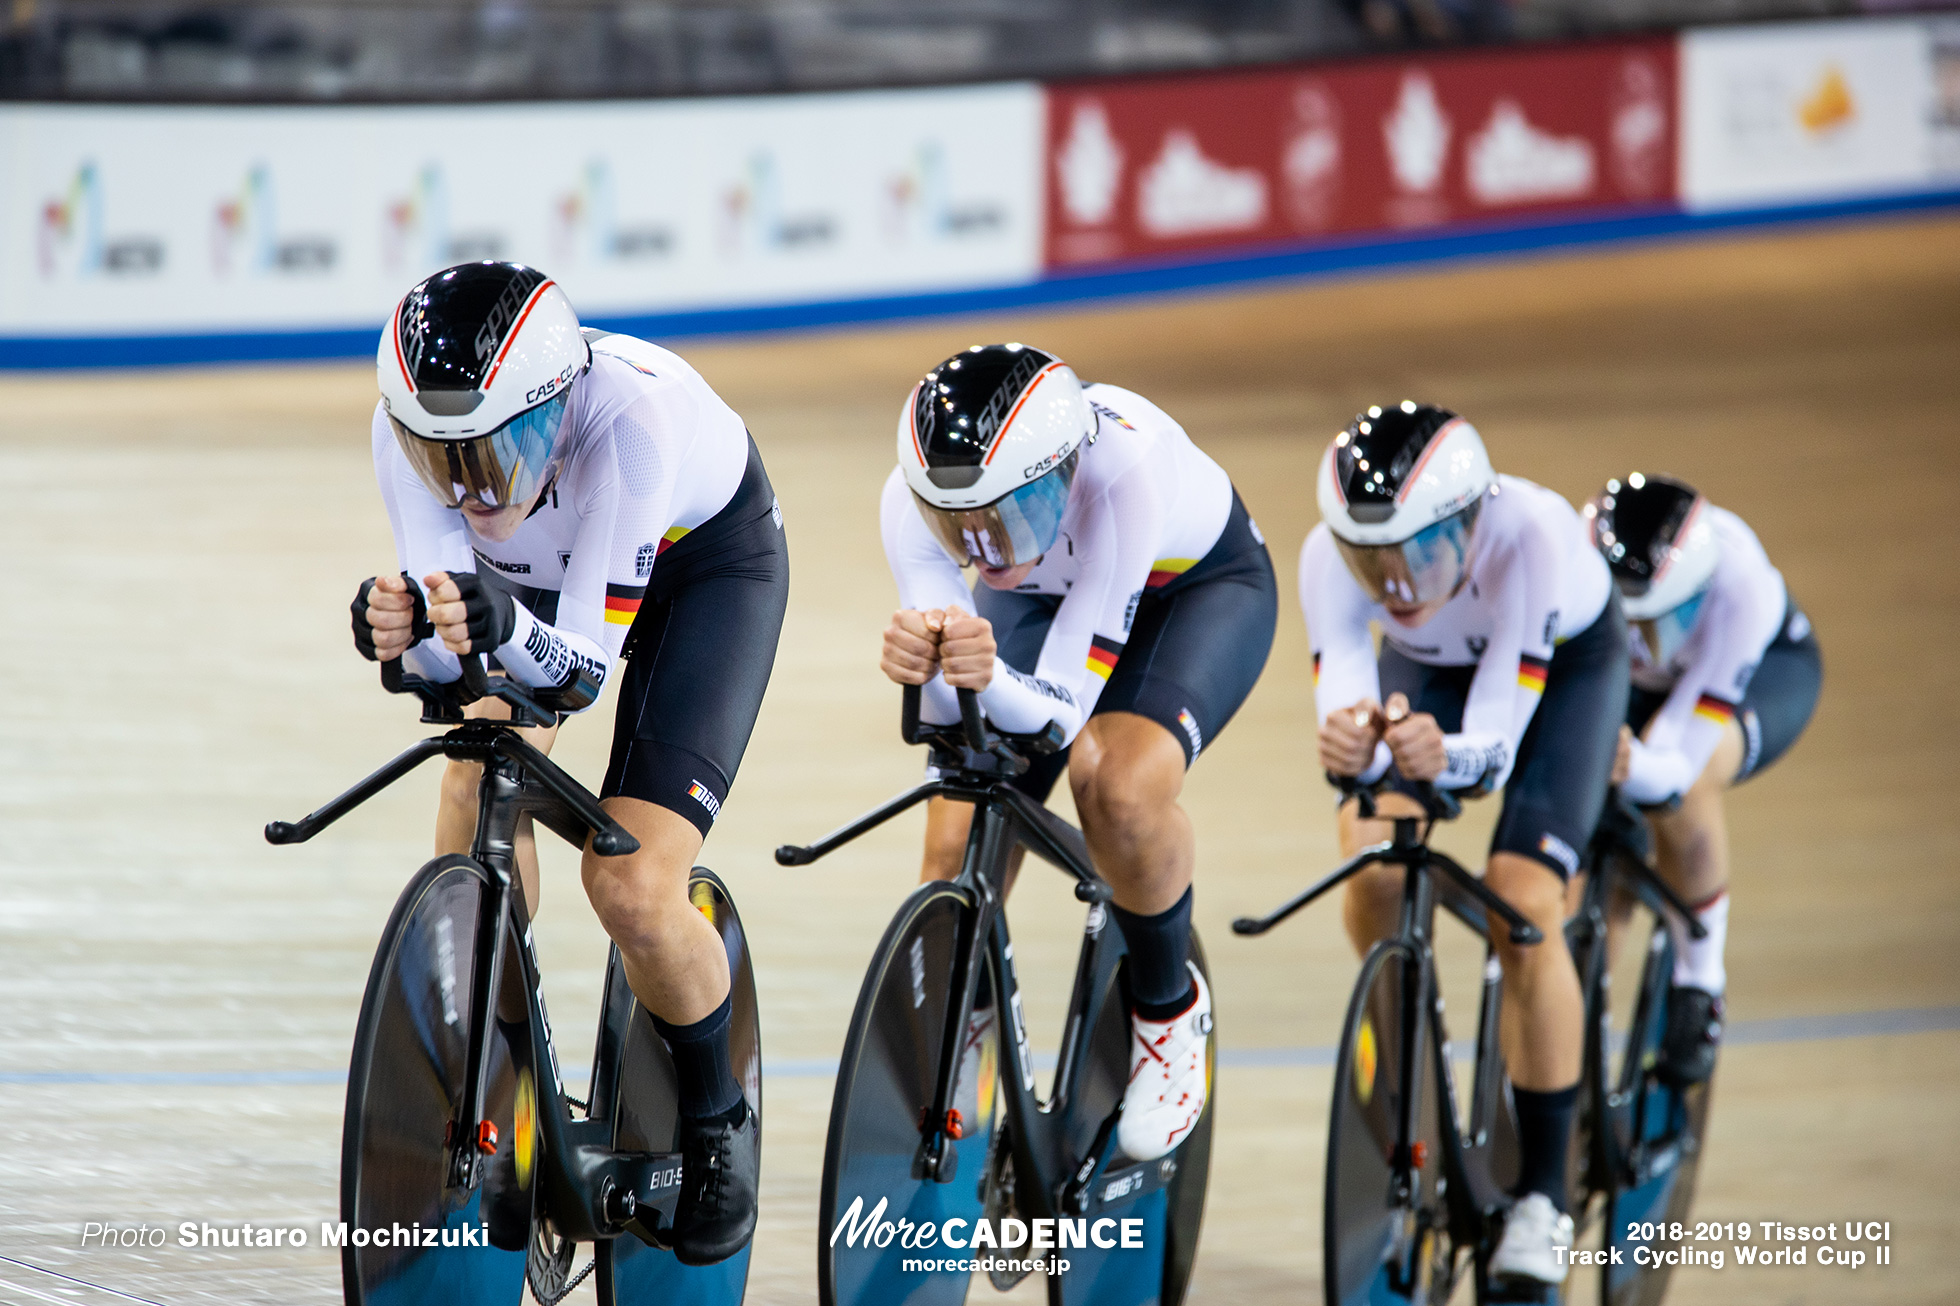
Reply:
x=1167 y=167
x=1805 y=112
x=175 y=218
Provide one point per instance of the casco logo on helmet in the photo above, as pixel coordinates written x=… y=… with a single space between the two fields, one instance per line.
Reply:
x=1047 y=464
x=550 y=387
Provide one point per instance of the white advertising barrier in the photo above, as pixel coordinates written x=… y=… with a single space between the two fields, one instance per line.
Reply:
x=120 y=221
x=1802 y=113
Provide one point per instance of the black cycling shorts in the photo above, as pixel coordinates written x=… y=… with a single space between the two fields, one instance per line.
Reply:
x=1778 y=704
x=1557 y=788
x=1195 y=650
x=699 y=654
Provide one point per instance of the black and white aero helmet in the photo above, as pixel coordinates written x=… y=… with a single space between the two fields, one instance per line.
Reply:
x=476 y=366
x=1659 y=541
x=988 y=442
x=1401 y=489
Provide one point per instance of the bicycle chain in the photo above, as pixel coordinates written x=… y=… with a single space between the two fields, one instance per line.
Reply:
x=570 y=1284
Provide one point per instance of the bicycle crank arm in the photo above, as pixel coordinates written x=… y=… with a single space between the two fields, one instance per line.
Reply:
x=640 y=1195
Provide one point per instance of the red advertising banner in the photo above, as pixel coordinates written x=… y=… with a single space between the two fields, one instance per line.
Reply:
x=1165 y=166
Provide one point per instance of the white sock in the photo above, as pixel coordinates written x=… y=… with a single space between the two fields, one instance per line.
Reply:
x=1698 y=962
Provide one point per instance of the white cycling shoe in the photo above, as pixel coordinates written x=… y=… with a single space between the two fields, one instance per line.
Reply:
x=1533 y=1231
x=1168 y=1083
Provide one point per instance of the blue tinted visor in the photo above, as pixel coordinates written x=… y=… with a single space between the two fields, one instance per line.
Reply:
x=1429 y=565
x=1016 y=528
x=1664 y=636
x=507 y=466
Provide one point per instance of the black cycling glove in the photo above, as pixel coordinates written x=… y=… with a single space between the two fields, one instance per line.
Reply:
x=364 y=631
x=490 y=615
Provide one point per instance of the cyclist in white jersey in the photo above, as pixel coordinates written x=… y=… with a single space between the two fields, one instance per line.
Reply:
x=562 y=500
x=1726 y=674
x=1126 y=596
x=1502 y=665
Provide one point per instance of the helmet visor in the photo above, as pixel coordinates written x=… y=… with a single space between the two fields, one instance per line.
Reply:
x=507 y=466
x=1427 y=566
x=1662 y=637
x=1011 y=530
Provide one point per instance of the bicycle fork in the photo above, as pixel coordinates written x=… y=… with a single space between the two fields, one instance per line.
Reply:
x=472 y=1137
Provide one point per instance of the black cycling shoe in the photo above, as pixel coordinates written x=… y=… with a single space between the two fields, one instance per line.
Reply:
x=716 y=1215
x=1694 y=1032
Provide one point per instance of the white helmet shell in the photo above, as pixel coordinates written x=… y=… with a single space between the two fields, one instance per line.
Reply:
x=1395 y=472
x=476 y=345
x=988 y=421
x=1659 y=540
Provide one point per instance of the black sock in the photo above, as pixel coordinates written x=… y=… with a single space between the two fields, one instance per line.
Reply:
x=1544 y=1134
x=700 y=1052
x=1160 y=945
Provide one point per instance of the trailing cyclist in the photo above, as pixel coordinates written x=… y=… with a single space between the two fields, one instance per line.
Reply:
x=1124 y=594
x=1726 y=674
x=562 y=500
x=1503 y=663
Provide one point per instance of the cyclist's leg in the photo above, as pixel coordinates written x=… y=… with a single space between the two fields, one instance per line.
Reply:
x=456 y=809
x=699 y=658
x=1692 y=845
x=1552 y=803
x=1196 y=649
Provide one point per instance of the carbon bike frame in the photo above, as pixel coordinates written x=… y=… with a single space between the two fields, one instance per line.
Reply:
x=975 y=764
x=590 y=1192
x=1472 y=1196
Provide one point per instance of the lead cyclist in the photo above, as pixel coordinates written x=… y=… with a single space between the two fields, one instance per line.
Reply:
x=1123 y=593
x=563 y=500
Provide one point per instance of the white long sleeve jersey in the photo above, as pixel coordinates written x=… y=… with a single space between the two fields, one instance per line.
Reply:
x=1147 y=504
x=1535 y=580
x=1741 y=614
x=650 y=453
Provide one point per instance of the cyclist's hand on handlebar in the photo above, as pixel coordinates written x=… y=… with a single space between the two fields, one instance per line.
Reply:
x=966 y=650
x=385 y=611
x=911 y=651
x=1415 y=740
x=1623 y=757
x=471 y=617
x=1348 y=737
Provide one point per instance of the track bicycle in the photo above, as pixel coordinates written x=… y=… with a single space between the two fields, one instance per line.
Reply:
x=466 y=1170
x=936 y=1118
x=1416 y=1190
x=1637 y=1143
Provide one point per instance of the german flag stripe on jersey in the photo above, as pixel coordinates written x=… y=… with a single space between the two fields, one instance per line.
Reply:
x=1165 y=570
x=1531 y=673
x=1103 y=654
x=673 y=537
x=1719 y=710
x=1316 y=670
x=623 y=603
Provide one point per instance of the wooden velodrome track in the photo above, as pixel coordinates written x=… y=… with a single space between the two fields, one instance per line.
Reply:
x=176 y=998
